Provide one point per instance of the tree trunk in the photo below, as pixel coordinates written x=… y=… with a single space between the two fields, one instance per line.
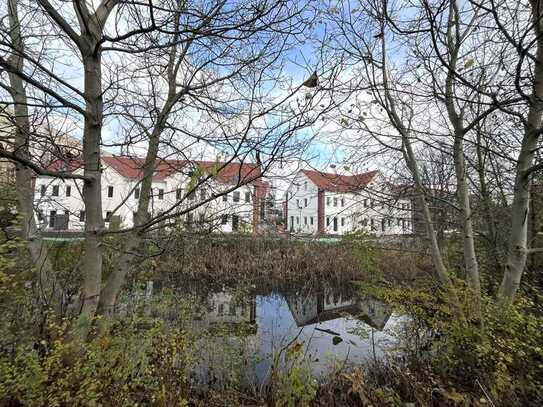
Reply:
x=518 y=237
x=457 y=122
x=24 y=176
x=92 y=194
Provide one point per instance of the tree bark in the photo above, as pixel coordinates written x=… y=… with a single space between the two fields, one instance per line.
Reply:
x=24 y=176
x=457 y=122
x=92 y=194
x=518 y=238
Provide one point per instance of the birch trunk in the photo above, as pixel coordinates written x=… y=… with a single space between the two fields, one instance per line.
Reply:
x=518 y=238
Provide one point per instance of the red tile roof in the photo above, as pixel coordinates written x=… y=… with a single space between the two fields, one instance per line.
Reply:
x=340 y=183
x=132 y=167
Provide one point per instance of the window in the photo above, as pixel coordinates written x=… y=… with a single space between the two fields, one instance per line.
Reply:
x=297 y=203
x=305 y=202
x=110 y=191
x=364 y=222
x=40 y=215
x=297 y=220
x=291 y=221
x=55 y=190
x=236 y=196
x=372 y=224
x=201 y=218
x=335 y=224
x=134 y=216
x=342 y=222
x=235 y=222
x=305 y=220
x=366 y=203
x=328 y=201
x=225 y=198
x=232 y=309
x=68 y=190
x=203 y=194
x=224 y=219
x=43 y=188
x=389 y=222
x=342 y=202
x=108 y=216
x=305 y=185
x=82 y=216
x=247 y=197
x=178 y=194
x=160 y=194
x=137 y=193
x=383 y=224
x=327 y=221
x=52 y=216
x=311 y=220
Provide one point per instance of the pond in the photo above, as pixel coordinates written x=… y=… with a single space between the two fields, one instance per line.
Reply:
x=246 y=331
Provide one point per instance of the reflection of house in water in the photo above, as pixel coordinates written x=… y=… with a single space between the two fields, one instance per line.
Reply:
x=223 y=310
x=330 y=304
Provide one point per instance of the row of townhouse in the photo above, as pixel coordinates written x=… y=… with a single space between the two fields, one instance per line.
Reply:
x=175 y=188
x=328 y=203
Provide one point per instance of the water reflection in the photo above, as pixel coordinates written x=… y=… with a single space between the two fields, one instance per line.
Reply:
x=335 y=327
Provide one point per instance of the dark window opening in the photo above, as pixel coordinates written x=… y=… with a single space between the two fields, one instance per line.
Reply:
x=82 y=216
x=236 y=196
x=137 y=193
x=224 y=219
x=178 y=194
x=247 y=197
x=43 y=188
x=55 y=190
x=161 y=194
x=235 y=222
x=335 y=224
x=225 y=198
x=108 y=216
x=68 y=190
x=110 y=191
x=52 y=216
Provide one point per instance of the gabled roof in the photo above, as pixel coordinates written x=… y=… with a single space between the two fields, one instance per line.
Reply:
x=132 y=168
x=340 y=183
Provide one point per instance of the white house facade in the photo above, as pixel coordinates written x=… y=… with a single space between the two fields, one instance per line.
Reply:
x=328 y=203
x=175 y=188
